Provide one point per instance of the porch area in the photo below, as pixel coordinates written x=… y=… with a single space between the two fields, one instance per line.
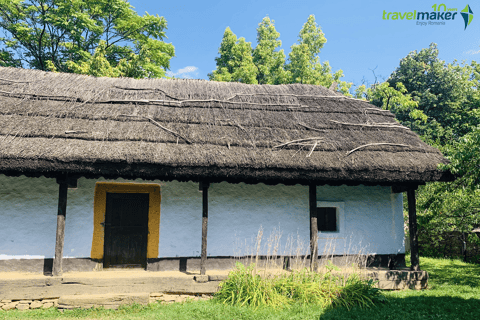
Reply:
x=111 y=288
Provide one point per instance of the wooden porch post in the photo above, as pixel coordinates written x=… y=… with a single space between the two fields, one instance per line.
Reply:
x=62 y=210
x=204 y=188
x=412 y=224
x=313 y=227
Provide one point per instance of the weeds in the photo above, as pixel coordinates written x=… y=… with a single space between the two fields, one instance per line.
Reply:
x=246 y=288
x=264 y=283
x=357 y=292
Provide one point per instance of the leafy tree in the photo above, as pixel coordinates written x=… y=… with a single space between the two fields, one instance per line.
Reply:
x=269 y=62
x=235 y=63
x=7 y=59
x=396 y=100
x=266 y=65
x=304 y=63
x=441 y=102
x=65 y=34
x=444 y=93
x=453 y=208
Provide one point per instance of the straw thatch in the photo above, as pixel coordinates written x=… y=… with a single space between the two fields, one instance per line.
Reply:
x=52 y=123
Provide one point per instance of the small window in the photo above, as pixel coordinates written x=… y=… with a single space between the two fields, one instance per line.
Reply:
x=327 y=219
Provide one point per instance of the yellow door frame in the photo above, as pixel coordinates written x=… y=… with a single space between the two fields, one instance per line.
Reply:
x=99 y=208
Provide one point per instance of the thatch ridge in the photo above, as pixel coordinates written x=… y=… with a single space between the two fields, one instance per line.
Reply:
x=52 y=123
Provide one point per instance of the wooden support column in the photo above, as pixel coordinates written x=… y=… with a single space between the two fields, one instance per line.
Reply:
x=204 y=188
x=412 y=225
x=62 y=210
x=313 y=227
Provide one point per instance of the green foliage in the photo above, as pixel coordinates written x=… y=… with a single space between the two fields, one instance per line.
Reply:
x=359 y=293
x=446 y=93
x=269 y=62
x=306 y=287
x=235 y=63
x=304 y=63
x=266 y=64
x=394 y=99
x=81 y=35
x=245 y=288
x=453 y=206
x=441 y=102
x=7 y=59
x=465 y=160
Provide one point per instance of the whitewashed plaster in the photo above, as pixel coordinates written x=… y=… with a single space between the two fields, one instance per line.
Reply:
x=371 y=220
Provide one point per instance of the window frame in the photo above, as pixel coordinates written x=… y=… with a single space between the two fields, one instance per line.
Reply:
x=340 y=215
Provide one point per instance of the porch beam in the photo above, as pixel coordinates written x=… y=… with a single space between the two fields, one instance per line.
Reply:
x=412 y=226
x=204 y=188
x=63 y=183
x=312 y=191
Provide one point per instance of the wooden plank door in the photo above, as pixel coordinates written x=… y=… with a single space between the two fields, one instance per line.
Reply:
x=126 y=230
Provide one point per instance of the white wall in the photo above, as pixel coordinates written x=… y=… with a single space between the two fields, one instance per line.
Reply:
x=372 y=221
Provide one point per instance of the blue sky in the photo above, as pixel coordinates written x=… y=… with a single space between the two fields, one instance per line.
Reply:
x=358 y=39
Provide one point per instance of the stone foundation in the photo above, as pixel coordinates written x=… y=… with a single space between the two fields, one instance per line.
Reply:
x=25 y=304
x=108 y=301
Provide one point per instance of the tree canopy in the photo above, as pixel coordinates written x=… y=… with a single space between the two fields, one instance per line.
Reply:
x=304 y=63
x=269 y=61
x=266 y=64
x=444 y=92
x=82 y=35
x=441 y=102
x=235 y=62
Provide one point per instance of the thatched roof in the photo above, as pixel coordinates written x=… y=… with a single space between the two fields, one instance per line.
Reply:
x=52 y=123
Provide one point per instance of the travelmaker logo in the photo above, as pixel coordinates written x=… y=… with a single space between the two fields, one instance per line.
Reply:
x=438 y=16
x=467 y=15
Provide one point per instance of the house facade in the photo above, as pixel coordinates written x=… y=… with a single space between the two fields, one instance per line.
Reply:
x=370 y=219
x=146 y=171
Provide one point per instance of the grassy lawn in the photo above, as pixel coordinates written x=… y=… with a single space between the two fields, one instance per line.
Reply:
x=454 y=293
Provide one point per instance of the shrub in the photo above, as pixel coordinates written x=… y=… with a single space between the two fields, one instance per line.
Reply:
x=244 y=287
x=358 y=292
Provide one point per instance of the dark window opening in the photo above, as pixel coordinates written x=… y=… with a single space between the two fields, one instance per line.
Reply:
x=327 y=219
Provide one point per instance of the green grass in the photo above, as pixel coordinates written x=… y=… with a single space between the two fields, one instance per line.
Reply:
x=244 y=287
x=454 y=293
x=187 y=310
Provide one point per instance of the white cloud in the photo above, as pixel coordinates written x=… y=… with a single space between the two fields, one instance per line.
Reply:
x=188 y=72
x=472 y=52
x=188 y=69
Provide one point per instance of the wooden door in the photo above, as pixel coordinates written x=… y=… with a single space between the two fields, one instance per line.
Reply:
x=126 y=230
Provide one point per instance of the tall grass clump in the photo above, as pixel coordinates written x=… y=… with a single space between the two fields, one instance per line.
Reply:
x=244 y=287
x=358 y=292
